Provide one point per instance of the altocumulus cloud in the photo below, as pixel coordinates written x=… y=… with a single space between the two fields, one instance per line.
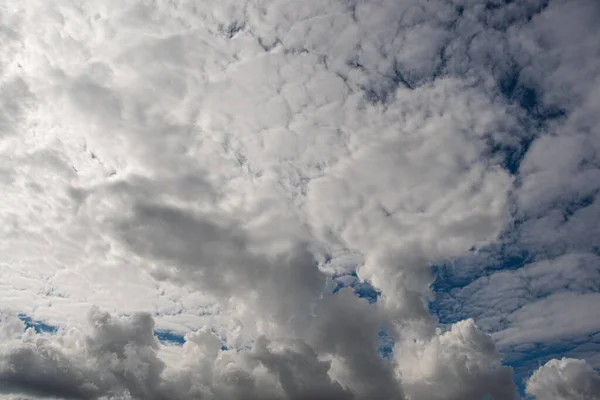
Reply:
x=217 y=168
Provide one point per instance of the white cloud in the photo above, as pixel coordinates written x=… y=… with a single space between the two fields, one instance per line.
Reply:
x=211 y=164
x=461 y=363
x=248 y=136
x=564 y=379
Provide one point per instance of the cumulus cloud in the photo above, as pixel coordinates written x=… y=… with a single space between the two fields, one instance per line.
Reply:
x=210 y=167
x=121 y=358
x=114 y=358
x=461 y=363
x=564 y=379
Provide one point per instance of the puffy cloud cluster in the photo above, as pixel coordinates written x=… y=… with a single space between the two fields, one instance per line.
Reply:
x=114 y=358
x=121 y=358
x=461 y=363
x=564 y=379
x=208 y=167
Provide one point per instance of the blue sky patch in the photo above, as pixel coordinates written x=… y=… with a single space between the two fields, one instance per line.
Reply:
x=362 y=289
x=38 y=326
x=169 y=337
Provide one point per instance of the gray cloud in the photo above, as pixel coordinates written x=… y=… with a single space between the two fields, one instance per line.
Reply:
x=113 y=358
x=179 y=157
x=121 y=358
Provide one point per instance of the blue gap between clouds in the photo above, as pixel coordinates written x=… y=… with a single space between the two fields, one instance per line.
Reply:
x=362 y=289
x=538 y=115
x=38 y=326
x=458 y=274
x=170 y=337
x=164 y=336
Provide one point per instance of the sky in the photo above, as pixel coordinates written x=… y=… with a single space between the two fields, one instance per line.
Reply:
x=300 y=200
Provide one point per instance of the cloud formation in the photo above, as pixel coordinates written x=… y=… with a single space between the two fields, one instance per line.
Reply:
x=121 y=358
x=217 y=168
x=564 y=379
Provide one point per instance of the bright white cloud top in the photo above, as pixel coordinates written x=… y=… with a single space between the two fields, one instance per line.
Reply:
x=218 y=169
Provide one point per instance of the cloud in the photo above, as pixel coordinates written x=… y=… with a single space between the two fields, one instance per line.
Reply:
x=121 y=358
x=564 y=379
x=461 y=363
x=211 y=167
x=115 y=357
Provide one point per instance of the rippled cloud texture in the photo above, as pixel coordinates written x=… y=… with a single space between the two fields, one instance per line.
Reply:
x=232 y=171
